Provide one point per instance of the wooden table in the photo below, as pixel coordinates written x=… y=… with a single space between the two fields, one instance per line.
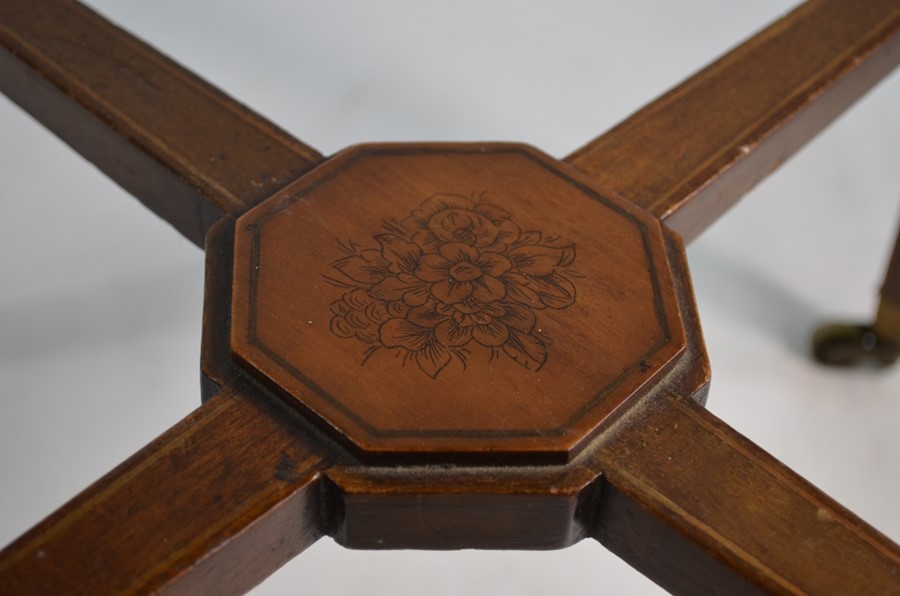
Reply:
x=719 y=383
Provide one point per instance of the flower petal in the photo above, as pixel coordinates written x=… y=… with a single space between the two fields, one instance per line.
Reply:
x=426 y=240
x=399 y=333
x=397 y=309
x=443 y=201
x=464 y=319
x=495 y=264
x=468 y=306
x=482 y=318
x=451 y=292
x=494 y=309
x=450 y=333
x=377 y=313
x=369 y=335
x=358 y=299
x=357 y=319
x=418 y=295
x=340 y=327
x=390 y=289
x=493 y=334
x=445 y=309
x=339 y=307
x=433 y=267
x=488 y=289
x=458 y=251
x=425 y=316
x=453 y=224
x=508 y=232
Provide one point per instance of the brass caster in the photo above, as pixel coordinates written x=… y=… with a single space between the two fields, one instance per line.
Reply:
x=850 y=345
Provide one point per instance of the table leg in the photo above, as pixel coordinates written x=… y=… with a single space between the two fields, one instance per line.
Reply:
x=846 y=344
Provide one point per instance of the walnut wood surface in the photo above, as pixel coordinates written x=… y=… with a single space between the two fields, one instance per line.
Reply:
x=454 y=301
x=691 y=154
x=214 y=505
x=683 y=497
x=182 y=147
x=699 y=508
x=451 y=506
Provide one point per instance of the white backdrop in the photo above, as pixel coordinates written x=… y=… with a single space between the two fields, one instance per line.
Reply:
x=100 y=302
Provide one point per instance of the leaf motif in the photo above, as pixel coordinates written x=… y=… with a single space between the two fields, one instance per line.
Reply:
x=492 y=211
x=532 y=237
x=539 y=259
x=518 y=290
x=399 y=333
x=554 y=291
x=433 y=359
x=518 y=317
x=568 y=256
x=526 y=349
x=364 y=268
x=397 y=250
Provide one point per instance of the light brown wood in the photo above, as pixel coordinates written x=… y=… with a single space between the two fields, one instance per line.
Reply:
x=688 y=156
x=181 y=146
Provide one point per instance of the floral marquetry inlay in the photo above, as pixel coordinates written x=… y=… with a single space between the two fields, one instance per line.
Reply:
x=457 y=275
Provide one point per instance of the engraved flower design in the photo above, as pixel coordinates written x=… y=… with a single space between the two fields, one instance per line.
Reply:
x=458 y=272
x=455 y=218
x=456 y=275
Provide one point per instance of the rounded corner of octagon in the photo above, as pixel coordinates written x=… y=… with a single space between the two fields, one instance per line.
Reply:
x=454 y=302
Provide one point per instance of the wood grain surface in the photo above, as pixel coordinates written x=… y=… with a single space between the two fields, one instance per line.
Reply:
x=685 y=498
x=181 y=146
x=475 y=301
x=691 y=154
x=699 y=508
x=215 y=504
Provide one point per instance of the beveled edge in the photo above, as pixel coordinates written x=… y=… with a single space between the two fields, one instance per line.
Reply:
x=396 y=455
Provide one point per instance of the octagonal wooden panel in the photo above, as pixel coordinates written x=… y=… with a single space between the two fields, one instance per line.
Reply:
x=453 y=302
